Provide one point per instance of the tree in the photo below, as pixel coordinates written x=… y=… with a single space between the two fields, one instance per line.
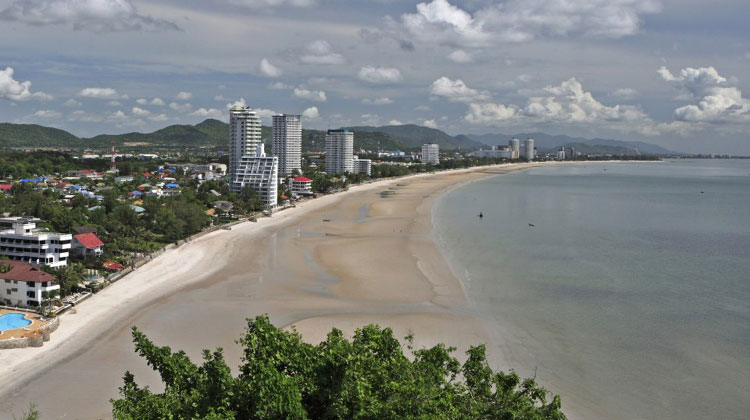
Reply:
x=368 y=377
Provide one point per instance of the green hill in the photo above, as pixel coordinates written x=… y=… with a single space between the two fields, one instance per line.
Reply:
x=414 y=136
x=32 y=135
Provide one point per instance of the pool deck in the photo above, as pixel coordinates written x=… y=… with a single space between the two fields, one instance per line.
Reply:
x=36 y=322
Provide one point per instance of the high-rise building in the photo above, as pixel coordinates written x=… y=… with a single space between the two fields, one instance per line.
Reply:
x=528 y=149
x=431 y=153
x=260 y=172
x=339 y=150
x=244 y=137
x=287 y=143
x=515 y=148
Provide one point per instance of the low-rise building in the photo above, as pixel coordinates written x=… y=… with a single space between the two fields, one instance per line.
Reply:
x=22 y=284
x=88 y=244
x=20 y=240
x=301 y=185
x=496 y=152
x=362 y=166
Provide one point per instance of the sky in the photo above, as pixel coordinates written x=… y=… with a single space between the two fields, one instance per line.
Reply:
x=668 y=72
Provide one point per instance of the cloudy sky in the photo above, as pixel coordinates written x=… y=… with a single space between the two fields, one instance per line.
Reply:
x=670 y=72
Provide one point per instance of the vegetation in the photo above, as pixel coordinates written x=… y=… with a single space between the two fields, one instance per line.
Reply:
x=368 y=377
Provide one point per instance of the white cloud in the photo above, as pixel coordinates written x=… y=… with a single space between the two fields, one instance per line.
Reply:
x=101 y=93
x=114 y=103
x=157 y=102
x=141 y=101
x=180 y=107
x=564 y=103
x=379 y=74
x=625 y=93
x=460 y=56
x=279 y=86
x=430 y=123
x=321 y=52
x=525 y=78
x=158 y=117
x=208 y=113
x=91 y=15
x=118 y=116
x=715 y=100
x=18 y=91
x=140 y=111
x=47 y=113
x=377 y=101
x=311 y=113
x=456 y=90
x=184 y=96
x=72 y=102
x=521 y=20
x=267 y=69
x=395 y=122
x=240 y=102
x=312 y=95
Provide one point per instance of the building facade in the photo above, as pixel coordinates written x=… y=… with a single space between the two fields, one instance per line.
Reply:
x=20 y=240
x=528 y=149
x=361 y=166
x=22 y=284
x=515 y=148
x=339 y=151
x=260 y=172
x=431 y=153
x=302 y=185
x=244 y=137
x=287 y=143
x=496 y=152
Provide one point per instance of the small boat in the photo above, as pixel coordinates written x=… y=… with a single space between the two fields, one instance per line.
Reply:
x=481 y=215
x=326 y=220
x=531 y=224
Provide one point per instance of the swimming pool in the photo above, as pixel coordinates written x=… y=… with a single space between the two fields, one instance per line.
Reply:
x=13 y=321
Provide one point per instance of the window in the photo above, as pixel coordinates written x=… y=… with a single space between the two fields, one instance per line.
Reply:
x=31 y=294
x=7 y=291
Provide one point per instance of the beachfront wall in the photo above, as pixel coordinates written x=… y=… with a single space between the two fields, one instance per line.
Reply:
x=37 y=340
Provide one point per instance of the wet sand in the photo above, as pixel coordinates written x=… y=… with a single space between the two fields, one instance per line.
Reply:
x=374 y=261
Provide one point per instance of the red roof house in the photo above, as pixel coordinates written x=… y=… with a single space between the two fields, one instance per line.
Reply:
x=302 y=185
x=6 y=187
x=112 y=266
x=23 y=271
x=88 y=244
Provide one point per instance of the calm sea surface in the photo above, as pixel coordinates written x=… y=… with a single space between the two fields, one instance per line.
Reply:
x=630 y=295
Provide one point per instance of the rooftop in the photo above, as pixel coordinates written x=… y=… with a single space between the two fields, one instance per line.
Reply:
x=89 y=240
x=23 y=271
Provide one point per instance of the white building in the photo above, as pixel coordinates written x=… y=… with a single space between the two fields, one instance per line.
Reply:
x=244 y=136
x=260 y=172
x=339 y=151
x=302 y=185
x=496 y=152
x=20 y=240
x=515 y=147
x=287 y=143
x=361 y=166
x=561 y=154
x=431 y=153
x=528 y=149
x=22 y=284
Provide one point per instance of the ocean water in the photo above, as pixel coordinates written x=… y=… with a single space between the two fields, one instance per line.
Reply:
x=630 y=295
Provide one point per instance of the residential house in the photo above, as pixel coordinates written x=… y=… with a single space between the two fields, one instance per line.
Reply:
x=22 y=284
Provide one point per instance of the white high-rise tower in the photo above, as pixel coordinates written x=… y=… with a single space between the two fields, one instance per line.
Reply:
x=431 y=153
x=528 y=146
x=515 y=148
x=287 y=143
x=339 y=151
x=244 y=137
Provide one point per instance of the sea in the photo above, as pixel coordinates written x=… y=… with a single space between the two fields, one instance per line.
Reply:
x=623 y=287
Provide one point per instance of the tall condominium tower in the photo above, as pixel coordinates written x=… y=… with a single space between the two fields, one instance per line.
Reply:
x=528 y=146
x=515 y=148
x=244 y=137
x=431 y=153
x=260 y=172
x=287 y=143
x=339 y=150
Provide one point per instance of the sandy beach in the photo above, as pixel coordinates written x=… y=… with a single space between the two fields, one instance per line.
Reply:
x=344 y=260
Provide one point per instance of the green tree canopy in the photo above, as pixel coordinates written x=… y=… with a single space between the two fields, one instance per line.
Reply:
x=367 y=377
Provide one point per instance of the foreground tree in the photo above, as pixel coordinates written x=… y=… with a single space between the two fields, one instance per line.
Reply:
x=369 y=377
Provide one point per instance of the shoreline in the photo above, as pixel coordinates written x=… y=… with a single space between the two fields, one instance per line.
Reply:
x=418 y=292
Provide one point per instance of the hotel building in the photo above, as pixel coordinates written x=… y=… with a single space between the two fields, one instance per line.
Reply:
x=287 y=143
x=361 y=166
x=244 y=137
x=20 y=240
x=431 y=153
x=22 y=284
x=339 y=151
x=260 y=172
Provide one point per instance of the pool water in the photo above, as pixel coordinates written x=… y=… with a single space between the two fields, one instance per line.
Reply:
x=13 y=321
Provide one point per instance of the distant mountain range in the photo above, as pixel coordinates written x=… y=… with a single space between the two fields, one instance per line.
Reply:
x=215 y=133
